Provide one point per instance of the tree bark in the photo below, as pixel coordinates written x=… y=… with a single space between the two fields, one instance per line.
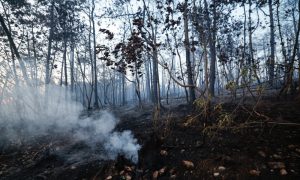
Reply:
x=47 y=64
x=212 y=46
x=96 y=104
x=192 y=96
x=14 y=48
x=272 y=45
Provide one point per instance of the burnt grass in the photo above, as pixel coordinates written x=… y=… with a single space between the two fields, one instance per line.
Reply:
x=174 y=146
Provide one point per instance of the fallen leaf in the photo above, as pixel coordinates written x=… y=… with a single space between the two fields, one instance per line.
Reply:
x=297 y=150
x=254 y=172
x=221 y=168
x=155 y=174
x=216 y=174
x=127 y=177
x=188 y=164
x=122 y=172
x=283 y=172
x=276 y=156
x=163 y=152
x=262 y=154
x=162 y=170
x=173 y=176
x=108 y=177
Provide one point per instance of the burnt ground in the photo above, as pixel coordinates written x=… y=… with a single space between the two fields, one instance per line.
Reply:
x=240 y=141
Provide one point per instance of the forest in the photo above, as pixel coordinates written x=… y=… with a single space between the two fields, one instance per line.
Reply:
x=149 y=89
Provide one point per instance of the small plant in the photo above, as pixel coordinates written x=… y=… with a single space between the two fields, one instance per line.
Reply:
x=225 y=120
x=203 y=105
x=231 y=86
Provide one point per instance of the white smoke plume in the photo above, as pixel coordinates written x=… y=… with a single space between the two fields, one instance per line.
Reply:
x=26 y=113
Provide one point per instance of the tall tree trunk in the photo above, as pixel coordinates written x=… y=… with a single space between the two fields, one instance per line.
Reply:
x=123 y=90
x=155 y=75
x=35 y=55
x=250 y=59
x=192 y=95
x=283 y=49
x=148 y=89
x=289 y=82
x=156 y=97
x=65 y=62
x=272 y=45
x=14 y=49
x=212 y=46
x=295 y=29
x=72 y=64
x=47 y=64
x=96 y=104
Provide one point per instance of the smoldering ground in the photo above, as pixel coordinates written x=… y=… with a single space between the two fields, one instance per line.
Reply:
x=27 y=114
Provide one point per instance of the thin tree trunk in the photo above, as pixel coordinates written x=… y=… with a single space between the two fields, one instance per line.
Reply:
x=65 y=62
x=72 y=53
x=96 y=104
x=14 y=49
x=35 y=55
x=289 y=82
x=148 y=89
x=192 y=96
x=272 y=45
x=212 y=46
x=47 y=65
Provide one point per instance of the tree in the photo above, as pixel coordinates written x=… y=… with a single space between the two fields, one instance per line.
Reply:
x=192 y=96
x=212 y=30
x=272 y=44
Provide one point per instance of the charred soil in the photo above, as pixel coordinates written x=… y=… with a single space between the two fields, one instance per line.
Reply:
x=231 y=140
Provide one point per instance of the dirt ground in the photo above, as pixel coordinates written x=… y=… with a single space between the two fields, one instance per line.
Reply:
x=259 y=141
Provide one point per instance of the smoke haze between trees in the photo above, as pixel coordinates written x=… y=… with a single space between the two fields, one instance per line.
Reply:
x=29 y=115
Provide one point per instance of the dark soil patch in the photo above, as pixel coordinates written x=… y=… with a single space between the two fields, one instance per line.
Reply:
x=268 y=148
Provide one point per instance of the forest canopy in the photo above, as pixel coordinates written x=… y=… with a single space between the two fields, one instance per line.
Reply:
x=113 y=52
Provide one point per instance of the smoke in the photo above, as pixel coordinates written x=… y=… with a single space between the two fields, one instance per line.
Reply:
x=26 y=114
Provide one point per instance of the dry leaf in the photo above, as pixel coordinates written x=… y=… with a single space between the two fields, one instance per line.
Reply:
x=276 y=156
x=127 y=177
x=162 y=170
x=254 y=172
x=108 y=177
x=188 y=164
x=216 y=174
x=155 y=175
x=221 y=168
x=173 y=176
x=283 y=172
x=163 y=152
x=262 y=154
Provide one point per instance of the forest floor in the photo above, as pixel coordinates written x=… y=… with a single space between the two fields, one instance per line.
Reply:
x=236 y=141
